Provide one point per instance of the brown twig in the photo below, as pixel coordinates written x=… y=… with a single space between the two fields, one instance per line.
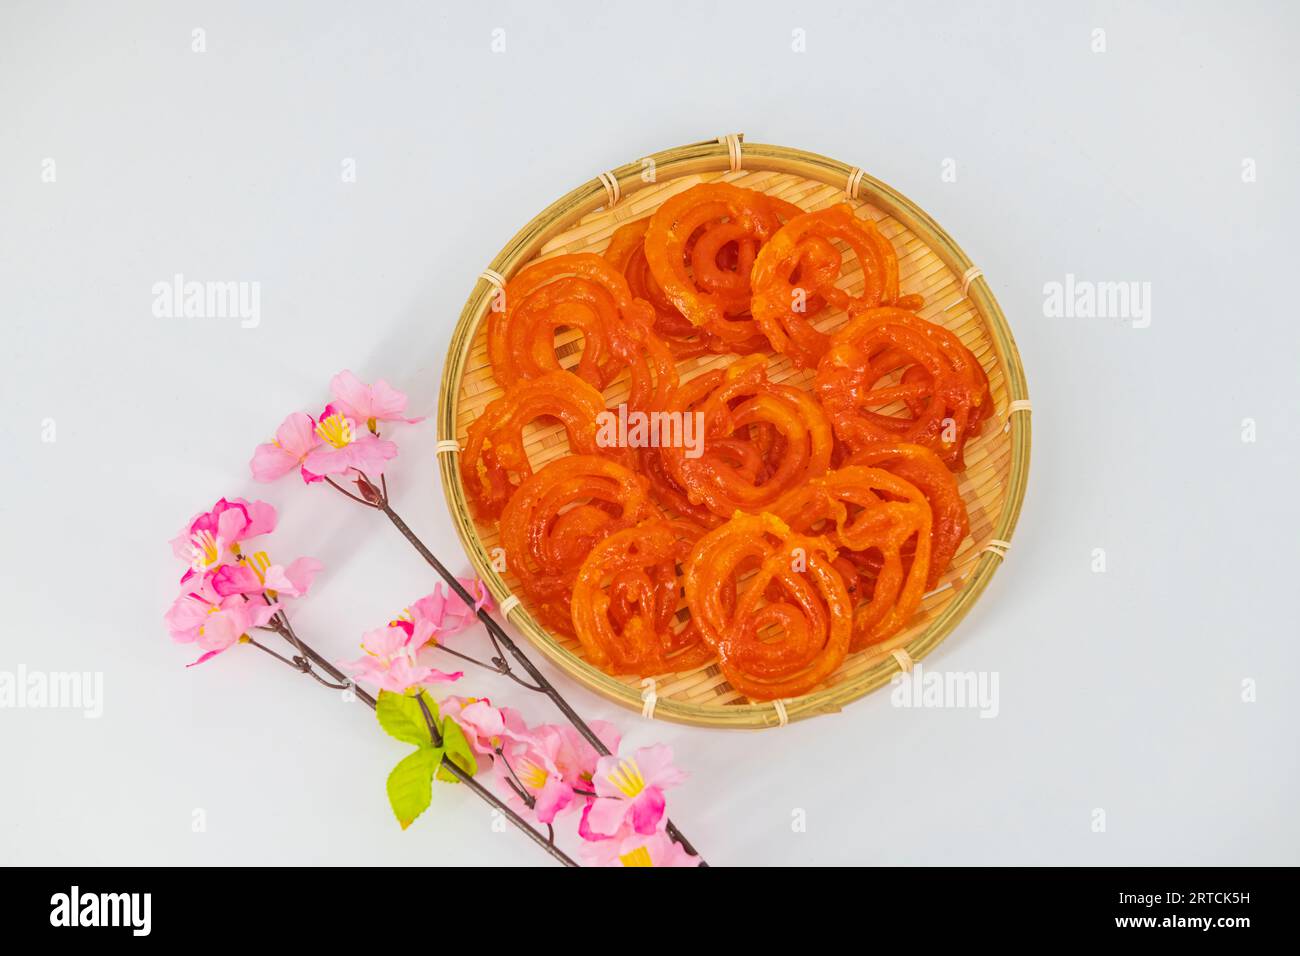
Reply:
x=310 y=656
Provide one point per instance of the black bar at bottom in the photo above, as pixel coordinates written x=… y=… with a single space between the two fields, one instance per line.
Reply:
x=302 y=905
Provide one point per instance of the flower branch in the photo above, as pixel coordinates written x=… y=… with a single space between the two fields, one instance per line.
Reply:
x=227 y=593
x=344 y=444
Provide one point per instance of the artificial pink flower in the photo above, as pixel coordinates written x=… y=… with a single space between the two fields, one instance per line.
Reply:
x=631 y=791
x=345 y=447
x=448 y=612
x=185 y=617
x=257 y=575
x=577 y=758
x=392 y=659
x=549 y=762
x=630 y=848
x=215 y=623
x=369 y=403
x=488 y=728
x=535 y=770
x=294 y=441
x=212 y=538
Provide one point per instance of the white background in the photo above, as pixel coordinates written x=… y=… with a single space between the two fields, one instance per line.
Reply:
x=1119 y=690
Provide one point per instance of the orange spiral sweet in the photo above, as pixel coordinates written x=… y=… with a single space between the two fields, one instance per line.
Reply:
x=684 y=242
x=771 y=604
x=760 y=439
x=800 y=266
x=886 y=356
x=866 y=511
x=494 y=460
x=626 y=597
x=582 y=292
x=949 y=521
x=626 y=252
x=557 y=516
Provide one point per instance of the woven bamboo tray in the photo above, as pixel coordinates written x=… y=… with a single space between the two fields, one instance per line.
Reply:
x=930 y=263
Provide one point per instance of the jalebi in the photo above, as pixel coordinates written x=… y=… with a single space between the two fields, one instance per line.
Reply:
x=626 y=252
x=870 y=512
x=585 y=293
x=626 y=598
x=557 y=516
x=684 y=245
x=760 y=439
x=780 y=630
x=798 y=268
x=494 y=461
x=942 y=386
x=949 y=523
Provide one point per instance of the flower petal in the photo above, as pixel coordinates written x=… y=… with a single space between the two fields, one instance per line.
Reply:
x=606 y=815
x=236 y=579
x=554 y=796
x=300 y=574
x=271 y=462
x=351 y=395
x=648 y=810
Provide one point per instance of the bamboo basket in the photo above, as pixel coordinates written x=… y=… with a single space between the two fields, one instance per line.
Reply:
x=930 y=263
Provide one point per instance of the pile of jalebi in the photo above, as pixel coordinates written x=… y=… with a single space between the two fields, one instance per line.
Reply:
x=782 y=528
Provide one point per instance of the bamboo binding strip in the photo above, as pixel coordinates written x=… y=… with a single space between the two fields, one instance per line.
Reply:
x=929 y=263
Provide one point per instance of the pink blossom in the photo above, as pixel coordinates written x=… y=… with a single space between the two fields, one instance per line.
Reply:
x=257 y=575
x=488 y=728
x=629 y=791
x=294 y=440
x=369 y=403
x=577 y=758
x=345 y=447
x=533 y=767
x=629 y=848
x=185 y=617
x=447 y=612
x=201 y=616
x=392 y=659
x=212 y=538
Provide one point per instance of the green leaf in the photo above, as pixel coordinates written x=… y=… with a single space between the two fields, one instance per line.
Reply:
x=410 y=785
x=457 y=751
x=402 y=718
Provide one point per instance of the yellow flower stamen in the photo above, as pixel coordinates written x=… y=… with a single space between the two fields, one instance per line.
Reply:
x=260 y=563
x=204 y=551
x=638 y=857
x=532 y=775
x=627 y=778
x=336 y=431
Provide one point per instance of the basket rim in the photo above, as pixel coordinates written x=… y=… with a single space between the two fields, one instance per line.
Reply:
x=717 y=156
